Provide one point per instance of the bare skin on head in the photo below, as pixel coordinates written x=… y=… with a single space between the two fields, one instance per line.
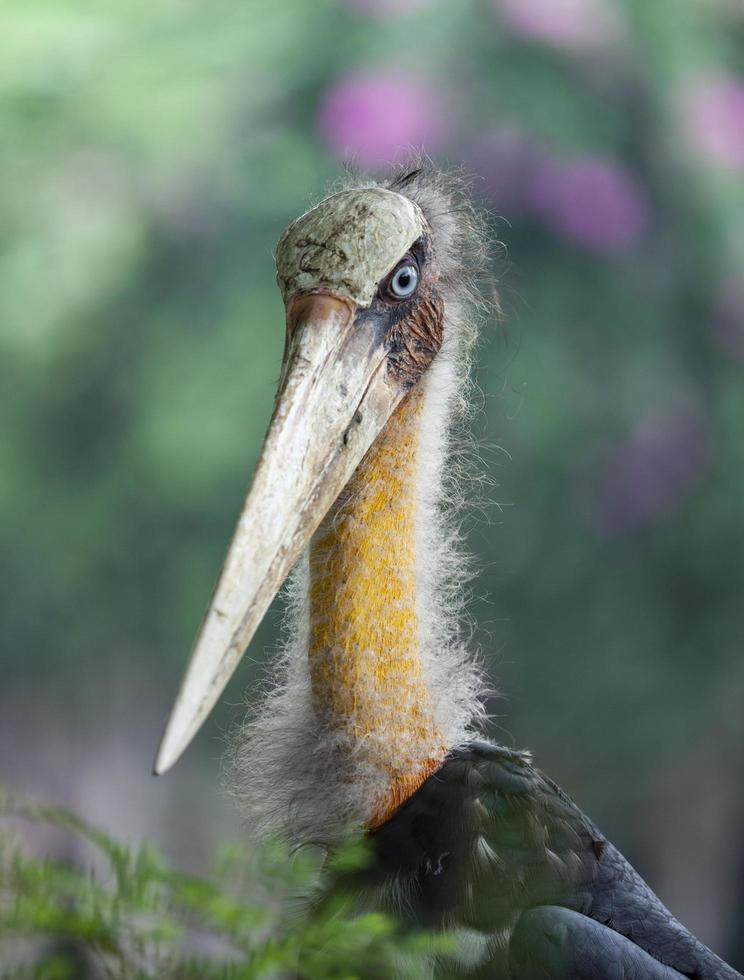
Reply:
x=347 y=244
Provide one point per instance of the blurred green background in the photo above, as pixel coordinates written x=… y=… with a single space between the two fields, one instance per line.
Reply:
x=150 y=156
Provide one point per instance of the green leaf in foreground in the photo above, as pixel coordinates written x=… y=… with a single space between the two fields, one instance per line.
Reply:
x=126 y=915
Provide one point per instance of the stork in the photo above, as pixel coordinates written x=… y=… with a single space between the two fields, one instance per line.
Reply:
x=375 y=716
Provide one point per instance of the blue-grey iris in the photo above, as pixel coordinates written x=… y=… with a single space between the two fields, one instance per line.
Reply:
x=404 y=282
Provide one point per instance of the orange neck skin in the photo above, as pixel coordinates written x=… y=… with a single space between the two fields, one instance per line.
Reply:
x=366 y=668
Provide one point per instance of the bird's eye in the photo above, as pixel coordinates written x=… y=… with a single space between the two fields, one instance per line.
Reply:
x=404 y=281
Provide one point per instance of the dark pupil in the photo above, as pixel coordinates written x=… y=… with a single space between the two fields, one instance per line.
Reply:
x=404 y=279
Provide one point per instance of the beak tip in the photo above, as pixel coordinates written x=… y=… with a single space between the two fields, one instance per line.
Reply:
x=186 y=717
x=168 y=753
x=159 y=766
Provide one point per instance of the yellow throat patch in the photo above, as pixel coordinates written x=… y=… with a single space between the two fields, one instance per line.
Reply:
x=365 y=652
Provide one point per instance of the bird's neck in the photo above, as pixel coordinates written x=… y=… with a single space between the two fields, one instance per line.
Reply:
x=366 y=667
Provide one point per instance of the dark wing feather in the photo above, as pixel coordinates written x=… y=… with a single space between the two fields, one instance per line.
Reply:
x=551 y=943
x=489 y=844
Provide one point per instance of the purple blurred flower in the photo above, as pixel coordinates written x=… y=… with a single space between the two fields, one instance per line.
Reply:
x=506 y=159
x=383 y=8
x=592 y=202
x=715 y=120
x=378 y=118
x=573 y=25
x=728 y=317
x=651 y=473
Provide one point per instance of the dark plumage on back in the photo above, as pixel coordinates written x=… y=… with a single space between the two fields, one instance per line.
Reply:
x=490 y=844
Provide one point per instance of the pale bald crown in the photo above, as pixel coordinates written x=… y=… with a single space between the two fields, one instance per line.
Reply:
x=348 y=243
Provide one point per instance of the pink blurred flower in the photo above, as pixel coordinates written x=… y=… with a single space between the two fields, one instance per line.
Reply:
x=573 y=25
x=383 y=8
x=378 y=118
x=715 y=120
x=506 y=159
x=728 y=317
x=647 y=476
x=592 y=202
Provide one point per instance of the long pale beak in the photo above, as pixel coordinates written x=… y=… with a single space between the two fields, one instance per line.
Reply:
x=334 y=398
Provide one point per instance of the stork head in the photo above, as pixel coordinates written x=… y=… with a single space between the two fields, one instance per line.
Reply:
x=364 y=257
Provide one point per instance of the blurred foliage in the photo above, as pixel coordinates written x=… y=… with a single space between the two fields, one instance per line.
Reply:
x=141 y=920
x=151 y=154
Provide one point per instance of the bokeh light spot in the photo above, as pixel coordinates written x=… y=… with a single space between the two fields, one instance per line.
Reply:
x=714 y=114
x=591 y=202
x=377 y=119
x=573 y=25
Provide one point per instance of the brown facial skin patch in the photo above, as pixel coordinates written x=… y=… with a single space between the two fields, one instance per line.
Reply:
x=416 y=339
x=411 y=328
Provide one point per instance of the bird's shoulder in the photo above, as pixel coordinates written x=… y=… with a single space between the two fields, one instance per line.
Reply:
x=486 y=836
